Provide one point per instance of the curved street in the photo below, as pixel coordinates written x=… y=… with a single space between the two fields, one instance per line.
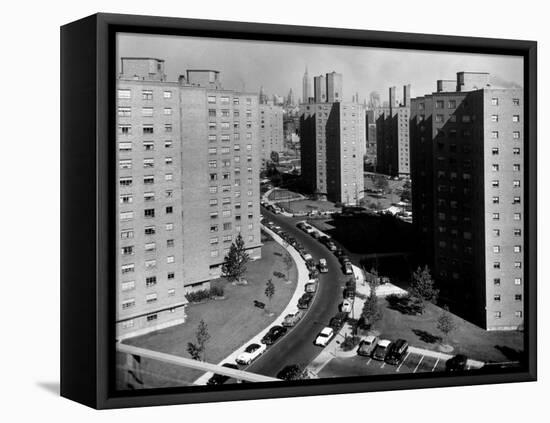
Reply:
x=297 y=347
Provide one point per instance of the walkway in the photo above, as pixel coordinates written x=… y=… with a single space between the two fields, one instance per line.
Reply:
x=303 y=279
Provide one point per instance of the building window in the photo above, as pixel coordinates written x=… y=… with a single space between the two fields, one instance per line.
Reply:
x=494 y=150
x=466 y=119
x=124 y=147
x=169 y=227
x=125 y=216
x=148 y=180
x=494 y=134
x=168 y=177
x=147 y=111
x=126 y=304
x=517 y=297
x=498 y=314
x=128 y=286
x=515 y=118
x=127 y=268
x=170 y=259
x=517 y=281
x=517 y=264
x=494 y=101
x=150 y=281
x=496 y=249
x=211 y=99
x=149 y=212
x=126 y=234
x=496 y=297
x=214 y=253
x=148 y=129
x=494 y=167
x=148 y=145
x=167 y=127
x=214 y=240
x=496 y=232
x=126 y=199
x=495 y=183
x=124 y=111
x=517 y=200
x=171 y=292
x=517 y=248
x=124 y=129
x=171 y=275
x=496 y=265
x=167 y=111
x=496 y=281
x=167 y=94
x=496 y=200
x=152 y=317
x=124 y=94
x=169 y=210
x=439 y=104
x=494 y=118
x=149 y=230
x=148 y=163
x=516 y=183
x=515 y=134
x=517 y=232
x=127 y=251
x=516 y=151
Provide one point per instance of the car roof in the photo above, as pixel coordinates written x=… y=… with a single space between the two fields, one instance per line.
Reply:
x=327 y=330
x=370 y=338
x=384 y=342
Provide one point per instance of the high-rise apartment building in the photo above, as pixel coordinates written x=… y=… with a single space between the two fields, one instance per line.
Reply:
x=188 y=172
x=392 y=134
x=332 y=139
x=467 y=188
x=371 y=150
x=271 y=132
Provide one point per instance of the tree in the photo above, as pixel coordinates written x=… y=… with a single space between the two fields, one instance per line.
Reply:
x=269 y=290
x=197 y=350
x=234 y=266
x=445 y=323
x=274 y=156
x=380 y=182
x=422 y=287
x=371 y=312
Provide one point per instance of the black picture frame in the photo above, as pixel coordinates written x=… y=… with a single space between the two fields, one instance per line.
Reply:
x=88 y=207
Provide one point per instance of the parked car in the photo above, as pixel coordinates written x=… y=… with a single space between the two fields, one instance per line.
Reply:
x=338 y=252
x=307 y=257
x=456 y=363
x=350 y=283
x=313 y=273
x=251 y=353
x=338 y=321
x=397 y=352
x=291 y=319
x=323 y=268
x=324 y=239
x=316 y=235
x=381 y=349
x=344 y=259
x=367 y=346
x=311 y=286
x=324 y=336
x=218 y=379
x=273 y=335
x=331 y=246
x=301 y=225
x=349 y=293
x=309 y=229
x=347 y=268
x=305 y=300
x=347 y=306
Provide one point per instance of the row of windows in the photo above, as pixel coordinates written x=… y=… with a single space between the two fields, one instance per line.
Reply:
x=150 y=281
x=149 y=213
x=147 y=163
x=497 y=249
x=212 y=99
x=227 y=227
x=227 y=213
x=497 y=297
x=148 y=230
x=127 y=181
x=124 y=111
x=147 y=129
x=126 y=146
x=451 y=104
x=126 y=94
x=148 y=247
x=147 y=196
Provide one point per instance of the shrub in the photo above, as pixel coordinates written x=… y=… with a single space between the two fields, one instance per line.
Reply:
x=216 y=291
x=350 y=342
x=197 y=296
x=279 y=274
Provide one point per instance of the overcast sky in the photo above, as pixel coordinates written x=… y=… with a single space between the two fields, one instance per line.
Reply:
x=280 y=66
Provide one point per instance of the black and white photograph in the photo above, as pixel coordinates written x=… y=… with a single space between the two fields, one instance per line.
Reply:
x=296 y=212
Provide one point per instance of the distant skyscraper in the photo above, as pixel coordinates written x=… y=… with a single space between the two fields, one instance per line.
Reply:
x=271 y=132
x=306 y=87
x=290 y=98
x=334 y=87
x=320 y=88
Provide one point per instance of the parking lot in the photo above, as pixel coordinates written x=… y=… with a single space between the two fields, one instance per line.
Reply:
x=365 y=366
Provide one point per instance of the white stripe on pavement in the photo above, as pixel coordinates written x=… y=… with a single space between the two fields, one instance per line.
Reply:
x=435 y=365
x=405 y=359
x=416 y=368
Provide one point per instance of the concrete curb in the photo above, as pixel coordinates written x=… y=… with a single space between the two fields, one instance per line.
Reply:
x=443 y=356
x=303 y=279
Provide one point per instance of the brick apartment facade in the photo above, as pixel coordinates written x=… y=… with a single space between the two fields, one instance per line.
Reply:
x=188 y=172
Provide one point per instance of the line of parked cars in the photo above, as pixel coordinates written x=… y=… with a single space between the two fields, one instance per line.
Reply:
x=392 y=352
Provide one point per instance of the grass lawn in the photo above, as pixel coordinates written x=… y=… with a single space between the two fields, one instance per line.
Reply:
x=421 y=331
x=231 y=322
x=282 y=195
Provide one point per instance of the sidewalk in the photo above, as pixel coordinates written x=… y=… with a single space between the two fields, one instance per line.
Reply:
x=303 y=279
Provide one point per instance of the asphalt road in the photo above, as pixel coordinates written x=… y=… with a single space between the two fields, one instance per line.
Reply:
x=296 y=347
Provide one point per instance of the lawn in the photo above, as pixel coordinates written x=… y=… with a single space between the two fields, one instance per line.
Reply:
x=473 y=341
x=231 y=322
x=309 y=206
x=282 y=195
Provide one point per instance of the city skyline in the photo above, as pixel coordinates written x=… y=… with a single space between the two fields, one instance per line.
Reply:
x=365 y=69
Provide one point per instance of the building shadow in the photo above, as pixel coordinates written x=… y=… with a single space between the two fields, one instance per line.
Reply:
x=51 y=387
